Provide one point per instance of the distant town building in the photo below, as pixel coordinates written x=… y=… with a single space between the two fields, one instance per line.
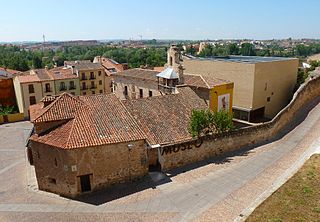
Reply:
x=32 y=86
x=262 y=85
x=7 y=94
x=110 y=67
x=91 y=76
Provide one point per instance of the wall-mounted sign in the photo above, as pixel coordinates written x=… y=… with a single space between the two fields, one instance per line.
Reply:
x=224 y=102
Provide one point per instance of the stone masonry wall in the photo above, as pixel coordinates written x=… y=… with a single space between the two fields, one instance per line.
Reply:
x=58 y=170
x=214 y=145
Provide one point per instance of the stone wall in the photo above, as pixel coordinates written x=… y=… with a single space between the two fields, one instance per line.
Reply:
x=59 y=170
x=177 y=155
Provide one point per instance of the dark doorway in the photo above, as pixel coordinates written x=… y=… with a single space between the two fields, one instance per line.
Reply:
x=257 y=115
x=85 y=183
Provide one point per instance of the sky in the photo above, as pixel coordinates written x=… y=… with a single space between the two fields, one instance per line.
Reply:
x=28 y=20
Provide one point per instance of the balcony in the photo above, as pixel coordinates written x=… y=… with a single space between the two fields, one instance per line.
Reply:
x=93 y=86
x=48 y=91
x=72 y=87
x=83 y=78
x=63 y=88
x=84 y=88
x=92 y=77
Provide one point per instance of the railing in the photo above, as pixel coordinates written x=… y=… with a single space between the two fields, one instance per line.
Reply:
x=72 y=87
x=166 y=89
x=84 y=88
x=93 y=86
x=92 y=77
x=83 y=78
x=48 y=90
x=63 y=88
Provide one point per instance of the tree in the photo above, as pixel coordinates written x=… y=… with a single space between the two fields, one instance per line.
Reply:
x=206 y=121
x=247 y=49
x=234 y=49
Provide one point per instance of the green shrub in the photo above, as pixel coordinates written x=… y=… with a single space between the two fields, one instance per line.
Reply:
x=206 y=121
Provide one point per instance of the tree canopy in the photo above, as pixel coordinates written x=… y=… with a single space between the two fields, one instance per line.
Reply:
x=16 y=58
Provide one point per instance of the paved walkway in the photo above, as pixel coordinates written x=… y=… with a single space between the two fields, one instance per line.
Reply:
x=221 y=190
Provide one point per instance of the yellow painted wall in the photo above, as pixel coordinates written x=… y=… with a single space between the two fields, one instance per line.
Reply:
x=218 y=91
x=15 y=117
x=96 y=81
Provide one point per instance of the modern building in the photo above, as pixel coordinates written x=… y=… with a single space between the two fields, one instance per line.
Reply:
x=32 y=86
x=262 y=85
x=7 y=94
x=91 y=76
x=86 y=143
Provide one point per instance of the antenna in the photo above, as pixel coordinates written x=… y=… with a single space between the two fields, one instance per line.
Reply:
x=140 y=37
x=44 y=39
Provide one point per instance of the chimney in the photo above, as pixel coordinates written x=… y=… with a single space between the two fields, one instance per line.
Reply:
x=181 y=74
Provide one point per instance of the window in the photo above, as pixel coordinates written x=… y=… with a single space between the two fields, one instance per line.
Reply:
x=101 y=91
x=71 y=84
x=100 y=82
x=52 y=180
x=268 y=99
x=265 y=86
x=93 y=92
x=99 y=73
x=92 y=85
x=62 y=86
x=84 y=93
x=72 y=93
x=84 y=86
x=141 y=93
x=55 y=162
x=150 y=93
x=170 y=60
x=125 y=92
x=47 y=86
x=92 y=75
x=32 y=100
x=31 y=88
x=83 y=76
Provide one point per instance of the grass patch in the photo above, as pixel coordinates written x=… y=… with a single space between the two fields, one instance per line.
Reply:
x=297 y=200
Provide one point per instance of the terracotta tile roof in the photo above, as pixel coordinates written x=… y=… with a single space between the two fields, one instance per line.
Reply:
x=96 y=120
x=27 y=78
x=165 y=119
x=190 y=79
x=84 y=65
x=62 y=108
x=143 y=74
x=203 y=81
x=159 y=68
x=8 y=73
x=59 y=73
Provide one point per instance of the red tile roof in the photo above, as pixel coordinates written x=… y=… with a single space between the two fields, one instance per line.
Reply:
x=91 y=121
x=165 y=119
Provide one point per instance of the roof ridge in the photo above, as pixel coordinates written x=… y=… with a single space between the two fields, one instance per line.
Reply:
x=205 y=81
x=55 y=101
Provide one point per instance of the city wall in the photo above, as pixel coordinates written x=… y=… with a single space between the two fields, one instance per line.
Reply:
x=205 y=147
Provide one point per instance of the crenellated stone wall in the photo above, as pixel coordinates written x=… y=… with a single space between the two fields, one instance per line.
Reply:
x=188 y=152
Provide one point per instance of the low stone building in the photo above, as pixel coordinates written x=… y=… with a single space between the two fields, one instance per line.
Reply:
x=144 y=83
x=83 y=144
x=86 y=143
